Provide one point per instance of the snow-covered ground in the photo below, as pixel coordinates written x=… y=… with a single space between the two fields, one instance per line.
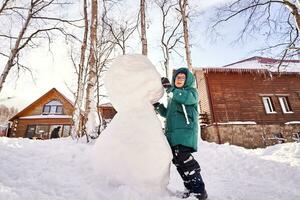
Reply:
x=61 y=169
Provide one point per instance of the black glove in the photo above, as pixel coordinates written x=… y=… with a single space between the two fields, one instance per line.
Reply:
x=155 y=105
x=165 y=83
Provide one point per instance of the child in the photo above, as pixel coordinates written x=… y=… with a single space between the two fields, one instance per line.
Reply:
x=181 y=129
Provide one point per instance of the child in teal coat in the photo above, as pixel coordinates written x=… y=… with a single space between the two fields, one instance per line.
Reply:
x=181 y=129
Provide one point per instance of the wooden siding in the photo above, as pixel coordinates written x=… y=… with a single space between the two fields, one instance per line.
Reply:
x=107 y=112
x=238 y=96
x=23 y=123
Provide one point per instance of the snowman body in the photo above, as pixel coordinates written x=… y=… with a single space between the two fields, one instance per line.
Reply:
x=133 y=150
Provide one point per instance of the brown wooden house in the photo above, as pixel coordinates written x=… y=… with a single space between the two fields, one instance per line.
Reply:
x=248 y=104
x=47 y=113
x=107 y=112
x=39 y=119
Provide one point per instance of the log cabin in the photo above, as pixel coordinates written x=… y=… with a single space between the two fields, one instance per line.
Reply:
x=48 y=114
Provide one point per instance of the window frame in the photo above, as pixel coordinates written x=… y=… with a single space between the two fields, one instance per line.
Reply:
x=285 y=104
x=268 y=105
x=52 y=108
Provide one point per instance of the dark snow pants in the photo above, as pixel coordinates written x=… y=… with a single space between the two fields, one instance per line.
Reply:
x=188 y=168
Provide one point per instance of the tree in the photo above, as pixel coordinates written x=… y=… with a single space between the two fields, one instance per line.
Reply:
x=183 y=6
x=105 y=48
x=171 y=33
x=143 y=28
x=3 y=5
x=6 y=113
x=90 y=106
x=121 y=32
x=276 y=21
x=77 y=119
x=33 y=22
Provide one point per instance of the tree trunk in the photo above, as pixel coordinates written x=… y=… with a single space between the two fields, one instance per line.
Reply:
x=294 y=10
x=183 y=6
x=143 y=29
x=14 y=52
x=80 y=84
x=90 y=106
x=4 y=4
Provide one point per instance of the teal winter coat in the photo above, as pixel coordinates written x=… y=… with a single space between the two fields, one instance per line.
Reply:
x=182 y=112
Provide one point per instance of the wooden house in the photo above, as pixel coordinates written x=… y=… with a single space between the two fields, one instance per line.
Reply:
x=50 y=113
x=43 y=116
x=250 y=103
x=107 y=112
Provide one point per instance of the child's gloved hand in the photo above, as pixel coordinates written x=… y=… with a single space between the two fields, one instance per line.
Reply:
x=165 y=83
x=155 y=105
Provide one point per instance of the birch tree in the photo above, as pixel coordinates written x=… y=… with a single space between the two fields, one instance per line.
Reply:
x=33 y=22
x=3 y=5
x=90 y=105
x=77 y=119
x=121 y=32
x=143 y=27
x=183 y=8
x=105 y=49
x=171 y=32
x=277 y=22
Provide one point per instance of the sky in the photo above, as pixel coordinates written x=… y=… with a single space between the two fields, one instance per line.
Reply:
x=55 y=69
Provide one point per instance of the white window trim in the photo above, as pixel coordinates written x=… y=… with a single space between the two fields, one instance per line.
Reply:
x=266 y=105
x=283 y=106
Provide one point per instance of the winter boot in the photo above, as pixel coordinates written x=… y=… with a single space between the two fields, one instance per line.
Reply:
x=200 y=196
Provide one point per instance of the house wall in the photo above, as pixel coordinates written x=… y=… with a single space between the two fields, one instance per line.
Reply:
x=249 y=136
x=237 y=96
x=107 y=112
x=21 y=125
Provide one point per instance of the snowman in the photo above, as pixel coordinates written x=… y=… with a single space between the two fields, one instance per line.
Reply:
x=133 y=150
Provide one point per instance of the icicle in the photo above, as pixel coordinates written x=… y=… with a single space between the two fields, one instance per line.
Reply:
x=185 y=114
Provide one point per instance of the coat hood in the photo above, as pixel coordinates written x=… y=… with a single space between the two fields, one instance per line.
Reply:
x=190 y=79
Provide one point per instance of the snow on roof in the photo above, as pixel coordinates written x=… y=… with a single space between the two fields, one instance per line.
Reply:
x=106 y=105
x=47 y=117
x=269 y=64
x=259 y=65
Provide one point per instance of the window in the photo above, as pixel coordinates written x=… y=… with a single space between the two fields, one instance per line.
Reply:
x=268 y=104
x=285 y=105
x=42 y=131
x=30 y=131
x=66 y=131
x=53 y=107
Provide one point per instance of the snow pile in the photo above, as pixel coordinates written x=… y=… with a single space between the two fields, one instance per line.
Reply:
x=292 y=122
x=133 y=150
x=235 y=173
x=288 y=153
x=61 y=169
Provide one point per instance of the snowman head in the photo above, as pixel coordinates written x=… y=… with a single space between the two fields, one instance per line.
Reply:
x=131 y=81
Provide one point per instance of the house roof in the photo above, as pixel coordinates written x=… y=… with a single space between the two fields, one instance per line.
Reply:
x=38 y=100
x=259 y=65
x=106 y=105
